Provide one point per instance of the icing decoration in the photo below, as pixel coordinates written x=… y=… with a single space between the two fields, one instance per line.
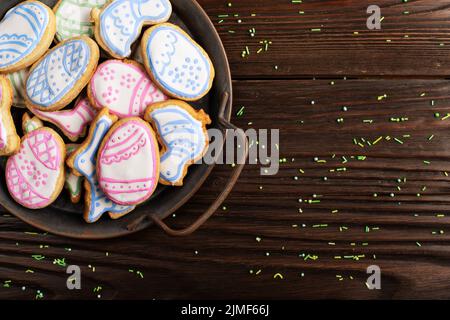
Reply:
x=183 y=133
x=34 y=174
x=124 y=88
x=176 y=62
x=73 y=183
x=29 y=124
x=84 y=163
x=120 y=23
x=73 y=18
x=59 y=73
x=128 y=162
x=72 y=122
x=3 y=133
x=17 y=80
x=9 y=140
x=21 y=32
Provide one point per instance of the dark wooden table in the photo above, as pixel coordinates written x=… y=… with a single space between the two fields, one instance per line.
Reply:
x=390 y=207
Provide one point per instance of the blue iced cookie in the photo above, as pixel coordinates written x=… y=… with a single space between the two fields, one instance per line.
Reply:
x=119 y=23
x=182 y=132
x=59 y=77
x=26 y=32
x=83 y=163
x=176 y=63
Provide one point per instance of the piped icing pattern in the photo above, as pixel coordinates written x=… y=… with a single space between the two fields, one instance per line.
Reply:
x=73 y=183
x=58 y=73
x=120 y=22
x=84 y=162
x=32 y=175
x=124 y=88
x=72 y=122
x=182 y=131
x=73 y=18
x=177 y=63
x=128 y=162
x=18 y=80
x=21 y=30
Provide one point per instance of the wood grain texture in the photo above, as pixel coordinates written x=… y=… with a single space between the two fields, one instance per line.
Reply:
x=226 y=249
x=263 y=228
x=419 y=40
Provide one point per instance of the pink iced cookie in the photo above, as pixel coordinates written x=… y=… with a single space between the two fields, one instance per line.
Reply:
x=72 y=122
x=35 y=175
x=128 y=162
x=124 y=88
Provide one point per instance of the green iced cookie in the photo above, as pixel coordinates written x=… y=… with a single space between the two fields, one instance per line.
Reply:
x=73 y=18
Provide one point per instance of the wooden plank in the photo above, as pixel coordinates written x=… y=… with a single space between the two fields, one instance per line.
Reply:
x=261 y=227
x=418 y=41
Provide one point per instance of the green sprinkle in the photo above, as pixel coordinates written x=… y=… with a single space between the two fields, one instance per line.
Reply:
x=446 y=116
x=418 y=244
x=316 y=30
x=426 y=162
x=398 y=140
x=38 y=257
x=240 y=112
x=377 y=140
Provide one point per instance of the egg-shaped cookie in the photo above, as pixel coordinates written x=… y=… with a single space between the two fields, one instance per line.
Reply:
x=123 y=87
x=26 y=32
x=176 y=63
x=35 y=175
x=128 y=162
x=59 y=77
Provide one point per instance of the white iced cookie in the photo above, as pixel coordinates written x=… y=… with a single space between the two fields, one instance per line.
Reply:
x=176 y=63
x=119 y=23
x=26 y=32
x=59 y=77
x=73 y=18
x=83 y=163
x=182 y=132
x=124 y=88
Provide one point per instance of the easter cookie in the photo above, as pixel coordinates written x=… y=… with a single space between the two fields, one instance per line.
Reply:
x=26 y=32
x=9 y=140
x=72 y=122
x=124 y=88
x=35 y=175
x=17 y=80
x=128 y=162
x=73 y=18
x=83 y=163
x=29 y=124
x=119 y=23
x=73 y=183
x=176 y=63
x=182 y=133
x=60 y=75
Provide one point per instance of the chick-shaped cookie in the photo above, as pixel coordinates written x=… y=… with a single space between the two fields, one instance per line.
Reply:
x=119 y=23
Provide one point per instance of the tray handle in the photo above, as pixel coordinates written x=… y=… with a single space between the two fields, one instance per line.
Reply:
x=225 y=124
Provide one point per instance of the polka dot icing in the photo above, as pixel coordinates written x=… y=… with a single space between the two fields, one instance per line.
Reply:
x=124 y=88
x=120 y=23
x=33 y=174
x=178 y=64
x=58 y=72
